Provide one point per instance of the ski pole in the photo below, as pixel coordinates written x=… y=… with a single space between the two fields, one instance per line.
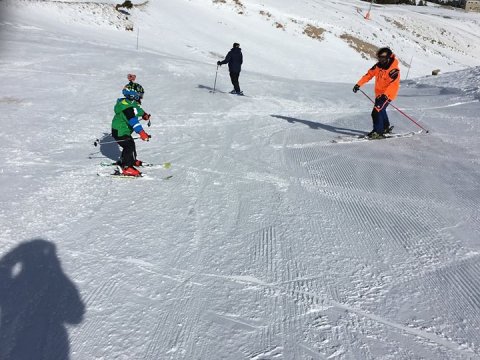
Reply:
x=409 y=118
x=215 y=83
x=98 y=142
x=400 y=111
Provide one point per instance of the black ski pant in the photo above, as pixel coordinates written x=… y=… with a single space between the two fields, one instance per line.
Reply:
x=129 y=152
x=234 y=77
x=381 y=123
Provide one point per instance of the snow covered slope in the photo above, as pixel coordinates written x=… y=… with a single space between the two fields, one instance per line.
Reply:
x=269 y=241
x=311 y=39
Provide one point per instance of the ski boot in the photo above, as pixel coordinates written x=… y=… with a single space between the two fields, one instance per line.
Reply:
x=376 y=136
x=130 y=171
x=388 y=130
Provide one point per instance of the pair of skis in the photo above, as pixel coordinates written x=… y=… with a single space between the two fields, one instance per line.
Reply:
x=362 y=138
x=117 y=173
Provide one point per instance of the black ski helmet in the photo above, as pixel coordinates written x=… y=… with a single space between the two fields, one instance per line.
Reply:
x=384 y=52
x=235 y=45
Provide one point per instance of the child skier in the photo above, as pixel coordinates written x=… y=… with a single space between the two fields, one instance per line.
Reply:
x=127 y=111
x=387 y=83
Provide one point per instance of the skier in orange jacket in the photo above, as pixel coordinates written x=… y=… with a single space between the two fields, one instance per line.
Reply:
x=387 y=83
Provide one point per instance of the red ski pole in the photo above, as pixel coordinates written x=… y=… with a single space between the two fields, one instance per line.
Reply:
x=400 y=111
x=409 y=118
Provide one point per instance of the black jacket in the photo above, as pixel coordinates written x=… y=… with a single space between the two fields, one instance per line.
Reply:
x=234 y=59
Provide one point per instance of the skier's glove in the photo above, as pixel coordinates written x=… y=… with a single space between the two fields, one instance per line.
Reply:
x=146 y=116
x=144 y=136
x=219 y=63
x=356 y=88
x=380 y=101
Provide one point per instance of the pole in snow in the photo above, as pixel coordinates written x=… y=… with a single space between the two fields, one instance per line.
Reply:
x=409 y=67
x=138 y=35
x=215 y=83
x=367 y=15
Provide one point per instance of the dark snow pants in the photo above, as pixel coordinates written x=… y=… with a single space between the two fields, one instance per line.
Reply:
x=380 y=118
x=234 y=77
x=129 y=152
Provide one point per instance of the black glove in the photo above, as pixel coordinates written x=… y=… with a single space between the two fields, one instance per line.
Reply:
x=356 y=88
x=380 y=101
x=219 y=63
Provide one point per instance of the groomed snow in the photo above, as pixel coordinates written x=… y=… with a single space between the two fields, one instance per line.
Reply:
x=269 y=241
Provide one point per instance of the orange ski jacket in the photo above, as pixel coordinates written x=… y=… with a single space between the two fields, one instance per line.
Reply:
x=387 y=81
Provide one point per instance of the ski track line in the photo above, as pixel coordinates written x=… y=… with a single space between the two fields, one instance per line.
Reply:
x=92 y=326
x=294 y=309
x=364 y=241
x=184 y=322
x=101 y=293
x=275 y=353
x=223 y=320
x=313 y=168
x=298 y=288
x=263 y=253
x=156 y=340
x=405 y=329
x=280 y=183
x=445 y=285
x=182 y=319
x=462 y=280
x=445 y=106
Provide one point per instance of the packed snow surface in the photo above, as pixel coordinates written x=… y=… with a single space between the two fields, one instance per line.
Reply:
x=269 y=241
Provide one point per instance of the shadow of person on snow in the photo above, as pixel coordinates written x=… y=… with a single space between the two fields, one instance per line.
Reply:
x=317 y=125
x=109 y=148
x=36 y=301
x=209 y=88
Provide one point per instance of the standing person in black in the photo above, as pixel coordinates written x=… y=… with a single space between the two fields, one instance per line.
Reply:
x=234 y=59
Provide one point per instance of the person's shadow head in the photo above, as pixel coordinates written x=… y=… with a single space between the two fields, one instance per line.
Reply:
x=36 y=301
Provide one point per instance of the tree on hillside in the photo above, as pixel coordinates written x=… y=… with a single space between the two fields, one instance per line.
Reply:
x=126 y=4
x=453 y=3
